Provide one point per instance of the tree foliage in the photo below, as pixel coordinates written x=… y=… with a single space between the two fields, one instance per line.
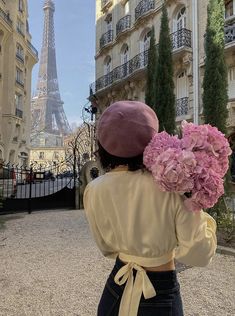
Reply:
x=150 y=93
x=215 y=96
x=165 y=97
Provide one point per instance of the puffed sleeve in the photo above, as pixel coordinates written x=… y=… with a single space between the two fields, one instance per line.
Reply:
x=196 y=235
x=97 y=234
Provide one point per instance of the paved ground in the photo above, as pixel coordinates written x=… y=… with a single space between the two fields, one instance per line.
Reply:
x=49 y=266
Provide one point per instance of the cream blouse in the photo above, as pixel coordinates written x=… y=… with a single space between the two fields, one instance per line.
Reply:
x=131 y=218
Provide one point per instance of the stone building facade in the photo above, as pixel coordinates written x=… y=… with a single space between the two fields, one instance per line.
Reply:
x=17 y=58
x=122 y=43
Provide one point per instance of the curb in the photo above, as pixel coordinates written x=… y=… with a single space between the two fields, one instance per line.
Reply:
x=225 y=251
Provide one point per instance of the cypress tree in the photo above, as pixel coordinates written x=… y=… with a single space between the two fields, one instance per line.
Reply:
x=215 y=95
x=150 y=92
x=165 y=97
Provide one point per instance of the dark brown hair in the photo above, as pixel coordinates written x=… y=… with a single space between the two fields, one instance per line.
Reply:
x=109 y=161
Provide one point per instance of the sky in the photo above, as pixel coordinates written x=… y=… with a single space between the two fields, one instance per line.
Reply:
x=74 y=22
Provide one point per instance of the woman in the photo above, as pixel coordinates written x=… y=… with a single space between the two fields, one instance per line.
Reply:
x=134 y=222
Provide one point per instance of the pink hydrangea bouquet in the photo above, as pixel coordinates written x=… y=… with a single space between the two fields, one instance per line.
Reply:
x=194 y=164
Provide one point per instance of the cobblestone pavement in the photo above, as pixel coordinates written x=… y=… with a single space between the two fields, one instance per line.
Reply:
x=50 y=266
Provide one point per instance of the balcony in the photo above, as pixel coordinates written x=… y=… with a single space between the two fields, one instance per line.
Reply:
x=105 y=4
x=20 y=32
x=140 y=61
x=32 y=48
x=181 y=38
x=20 y=82
x=106 y=38
x=144 y=7
x=123 y=24
x=19 y=113
x=20 y=57
x=229 y=33
x=182 y=106
x=5 y=16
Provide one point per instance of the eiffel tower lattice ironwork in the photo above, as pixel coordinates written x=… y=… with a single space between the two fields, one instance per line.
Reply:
x=48 y=116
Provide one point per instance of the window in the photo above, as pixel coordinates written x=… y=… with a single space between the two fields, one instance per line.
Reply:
x=125 y=59
x=19 y=101
x=20 y=27
x=41 y=155
x=231 y=83
x=19 y=52
x=145 y=43
x=21 y=5
x=229 y=9
x=107 y=65
x=108 y=20
x=181 y=86
x=127 y=8
x=180 y=21
x=56 y=155
x=19 y=76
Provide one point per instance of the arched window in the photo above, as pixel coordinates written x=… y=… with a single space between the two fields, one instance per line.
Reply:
x=145 y=41
x=108 y=21
x=229 y=8
x=127 y=8
x=180 y=20
x=124 y=60
x=124 y=54
x=107 y=65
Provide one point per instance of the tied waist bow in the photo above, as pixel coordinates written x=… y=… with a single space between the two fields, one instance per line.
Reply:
x=134 y=288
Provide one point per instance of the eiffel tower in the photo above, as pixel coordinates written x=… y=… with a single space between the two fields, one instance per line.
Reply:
x=49 y=122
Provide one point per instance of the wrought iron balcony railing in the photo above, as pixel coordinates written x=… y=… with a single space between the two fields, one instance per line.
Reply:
x=32 y=48
x=140 y=61
x=120 y=72
x=105 y=3
x=6 y=17
x=20 y=82
x=181 y=38
x=106 y=38
x=229 y=33
x=20 y=31
x=182 y=106
x=143 y=7
x=20 y=57
x=19 y=113
x=123 y=24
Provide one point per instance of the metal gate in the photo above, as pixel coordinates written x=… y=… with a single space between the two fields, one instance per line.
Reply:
x=35 y=187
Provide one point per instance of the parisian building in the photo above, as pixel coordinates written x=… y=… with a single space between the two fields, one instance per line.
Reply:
x=17 y=58
x=122 y=42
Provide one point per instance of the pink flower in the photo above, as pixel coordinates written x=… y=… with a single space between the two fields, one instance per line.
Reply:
x=159 y=143
x=173 y=170
x=196 y=163
x=206 y=193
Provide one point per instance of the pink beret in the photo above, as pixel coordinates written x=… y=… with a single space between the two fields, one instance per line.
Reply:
x=126 y=127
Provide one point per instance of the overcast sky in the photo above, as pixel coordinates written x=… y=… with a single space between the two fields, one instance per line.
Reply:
x=75 y=49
